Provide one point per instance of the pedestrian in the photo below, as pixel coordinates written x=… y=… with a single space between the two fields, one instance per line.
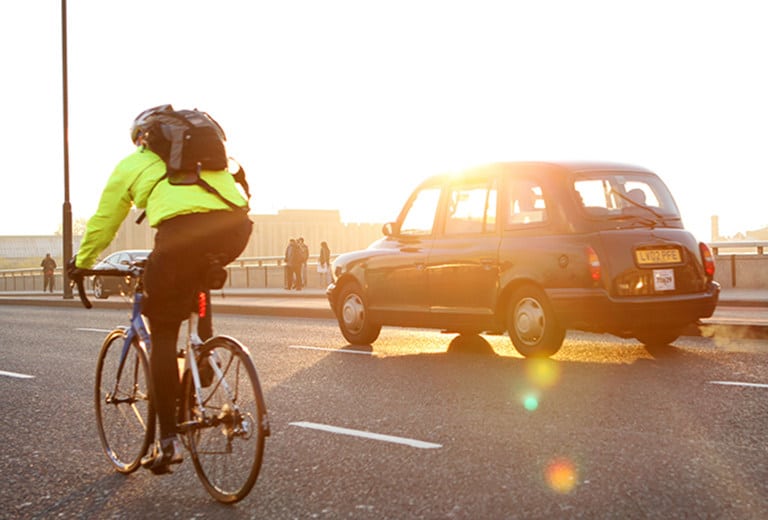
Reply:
x=49 y=267
x=192 y=224
x=324 y=262
x=290 y=253
x=304 y=256
x=294 y=263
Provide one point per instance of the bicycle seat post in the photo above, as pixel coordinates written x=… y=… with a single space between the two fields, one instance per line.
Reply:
x=193 y=339
x=193 y=344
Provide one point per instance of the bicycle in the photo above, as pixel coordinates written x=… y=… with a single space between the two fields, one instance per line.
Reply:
x=222 y=417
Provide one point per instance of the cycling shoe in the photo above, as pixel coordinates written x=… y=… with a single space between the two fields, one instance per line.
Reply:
x=164 y=453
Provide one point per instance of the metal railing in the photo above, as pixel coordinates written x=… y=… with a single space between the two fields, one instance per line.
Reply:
x=244 y=272
x=739 y=263
x=739 y=247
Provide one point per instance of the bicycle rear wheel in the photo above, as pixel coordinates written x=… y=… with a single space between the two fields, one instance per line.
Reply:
x=124 y=415
x=226 y=437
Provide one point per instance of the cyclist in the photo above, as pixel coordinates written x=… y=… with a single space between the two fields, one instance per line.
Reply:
x=190 y=223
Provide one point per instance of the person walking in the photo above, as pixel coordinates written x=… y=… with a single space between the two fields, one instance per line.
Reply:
x=192 y=224
x=324 y=262
x=49 y=267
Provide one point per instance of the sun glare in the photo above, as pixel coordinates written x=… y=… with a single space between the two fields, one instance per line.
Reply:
x=543 y=373
x=561 y=475
x=540 y=374
x=531 y=402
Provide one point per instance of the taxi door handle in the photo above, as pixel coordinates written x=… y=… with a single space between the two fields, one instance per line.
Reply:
x=487 y=263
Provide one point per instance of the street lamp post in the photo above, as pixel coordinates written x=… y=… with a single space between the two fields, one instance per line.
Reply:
x=67 y=208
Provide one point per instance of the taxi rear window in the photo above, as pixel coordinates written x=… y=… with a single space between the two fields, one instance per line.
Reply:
x=607 y=193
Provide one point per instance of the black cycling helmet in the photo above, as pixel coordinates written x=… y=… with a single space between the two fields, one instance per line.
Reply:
x=144 y=121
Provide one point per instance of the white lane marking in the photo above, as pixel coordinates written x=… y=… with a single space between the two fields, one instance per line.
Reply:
x=84 y=329
x=368 y=435
x=337 y=350
x=737 y=383
x=16 y=375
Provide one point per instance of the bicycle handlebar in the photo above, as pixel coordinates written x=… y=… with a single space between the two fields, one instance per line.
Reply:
x=80 y=282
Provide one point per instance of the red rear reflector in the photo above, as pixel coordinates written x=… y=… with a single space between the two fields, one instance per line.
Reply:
x=707 y=259
x=202 y=308
x=594 y=264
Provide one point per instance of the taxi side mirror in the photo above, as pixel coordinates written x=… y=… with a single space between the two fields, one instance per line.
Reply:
x=390 y=229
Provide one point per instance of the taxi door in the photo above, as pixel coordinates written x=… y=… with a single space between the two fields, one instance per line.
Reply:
x=463 y=264
x=398 y=280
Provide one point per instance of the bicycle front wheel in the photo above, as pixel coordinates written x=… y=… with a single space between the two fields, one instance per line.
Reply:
x=226 y=435
x=124 y=415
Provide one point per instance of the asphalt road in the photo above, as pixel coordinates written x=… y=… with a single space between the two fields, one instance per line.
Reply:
x=605 y=429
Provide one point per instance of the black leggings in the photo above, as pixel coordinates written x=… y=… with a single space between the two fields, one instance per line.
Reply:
x=174 y=274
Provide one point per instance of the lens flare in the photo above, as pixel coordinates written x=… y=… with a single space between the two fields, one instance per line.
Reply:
x=544 y=373
x=561 y=475
x=530 y=402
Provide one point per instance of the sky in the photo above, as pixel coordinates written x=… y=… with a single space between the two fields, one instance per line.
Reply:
x=349 y=104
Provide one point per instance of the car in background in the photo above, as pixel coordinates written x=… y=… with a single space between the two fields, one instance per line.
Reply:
x=533 y=249
x=104 y=286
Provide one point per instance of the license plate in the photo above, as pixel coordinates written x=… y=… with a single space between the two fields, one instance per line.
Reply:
x=657 y=256
x=664 y=279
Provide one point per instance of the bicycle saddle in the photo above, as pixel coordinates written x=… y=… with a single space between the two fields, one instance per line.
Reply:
x=215 y=275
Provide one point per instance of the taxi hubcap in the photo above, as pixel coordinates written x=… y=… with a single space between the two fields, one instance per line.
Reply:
x=529 y=320
x=353 y=312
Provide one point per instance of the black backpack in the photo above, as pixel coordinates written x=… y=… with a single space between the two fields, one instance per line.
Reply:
x=189 y=141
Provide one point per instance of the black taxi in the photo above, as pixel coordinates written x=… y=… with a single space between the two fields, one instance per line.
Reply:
x=533 y=249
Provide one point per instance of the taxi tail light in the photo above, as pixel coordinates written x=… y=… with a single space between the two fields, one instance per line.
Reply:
x=595 y=271
x=708 y=260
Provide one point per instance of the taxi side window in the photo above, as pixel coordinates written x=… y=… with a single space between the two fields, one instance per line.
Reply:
x=471 y=209
x=420 y=217
x=526 y=204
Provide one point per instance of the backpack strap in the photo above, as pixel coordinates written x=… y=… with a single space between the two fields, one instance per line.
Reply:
x=210 y=189
x=143 y=215
x=239 y=178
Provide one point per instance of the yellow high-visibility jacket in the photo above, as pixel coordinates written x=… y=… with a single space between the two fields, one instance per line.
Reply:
x=131 y=183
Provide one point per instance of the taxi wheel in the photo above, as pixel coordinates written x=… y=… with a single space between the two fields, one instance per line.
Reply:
x=354 y=319
x=532 y=325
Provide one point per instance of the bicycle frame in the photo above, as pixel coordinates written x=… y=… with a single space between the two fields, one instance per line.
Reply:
x=137 y=329
x=198 y=319
x=200 y=323
x=194 y=342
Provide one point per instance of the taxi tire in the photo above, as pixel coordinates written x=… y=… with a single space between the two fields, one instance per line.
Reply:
x=531 y=323
x=354 y=317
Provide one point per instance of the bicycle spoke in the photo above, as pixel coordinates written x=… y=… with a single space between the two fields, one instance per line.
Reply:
x=139 y=417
